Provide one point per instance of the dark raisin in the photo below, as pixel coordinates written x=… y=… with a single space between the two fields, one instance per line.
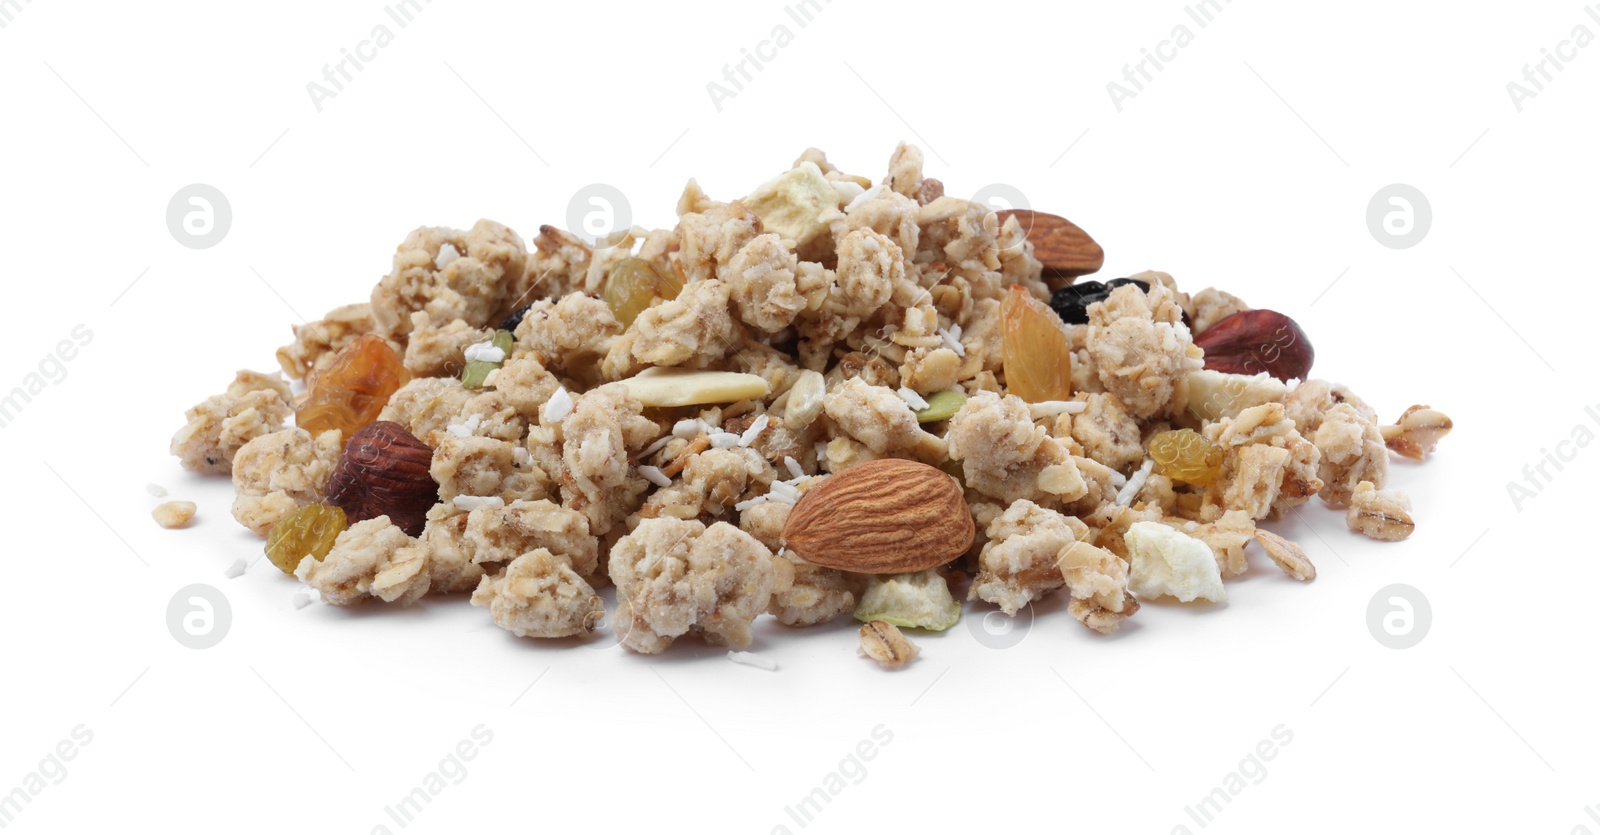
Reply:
x=1072 y=302
x=511 y=322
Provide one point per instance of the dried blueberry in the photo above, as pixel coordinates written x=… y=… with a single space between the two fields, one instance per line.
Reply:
x=511 y=322
x=1072 y=302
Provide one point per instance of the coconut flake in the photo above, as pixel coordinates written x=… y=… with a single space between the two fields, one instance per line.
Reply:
x=865 y=196
x=558 y=406
x=471 y=503
x=794 y=467
x=155 y=490
x=304 y=598
x=657 y=446
x=912 y=399
x=686 y=428
x=754 y=431
x=236 y=569
x=1135 y=484
x=749 y=503
x=447 y=255
x=485 y=352
x=952 y=340
x=1050 y=408
x=465 y=430
x=750 y=659
x=724 y=440
x=521 y=456
x=655 y=476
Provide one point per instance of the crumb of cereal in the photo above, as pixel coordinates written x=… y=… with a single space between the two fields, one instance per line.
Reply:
x=471 y=287
x=174 y=514
x=371 y=560
x=1142 y=350
x=1098 y=582
x=254 y=404
x=1018 y=565
x=277 y=474
x=676 y=577
x=1380 y=514
x=1352 y=450
x=539 y=595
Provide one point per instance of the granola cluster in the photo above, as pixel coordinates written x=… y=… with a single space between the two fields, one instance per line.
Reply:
x=669 y=395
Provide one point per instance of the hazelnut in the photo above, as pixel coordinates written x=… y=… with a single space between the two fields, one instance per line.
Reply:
x=1253 y=341
x=383 y=471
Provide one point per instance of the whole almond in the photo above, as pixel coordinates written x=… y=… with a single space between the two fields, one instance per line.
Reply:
x=1065 y=249
x=882 y=517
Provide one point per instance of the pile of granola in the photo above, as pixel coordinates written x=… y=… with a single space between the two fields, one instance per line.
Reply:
x=648 y=410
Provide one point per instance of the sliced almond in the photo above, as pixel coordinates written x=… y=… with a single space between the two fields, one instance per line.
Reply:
x=1065 y=249
x=684 y=387
x=882 y=517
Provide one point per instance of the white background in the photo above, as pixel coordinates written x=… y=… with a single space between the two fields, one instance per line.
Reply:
x=1247 y=163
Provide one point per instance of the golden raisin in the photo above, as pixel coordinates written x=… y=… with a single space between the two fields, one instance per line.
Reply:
x=1186 y=455
x=633 y=284
x=309 y=532
x=1038 y=360
x=350 y=392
